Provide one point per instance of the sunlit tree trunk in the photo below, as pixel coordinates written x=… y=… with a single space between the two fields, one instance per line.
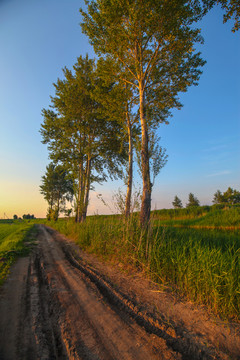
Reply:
x=146 y=194
x=87 y=189
x=130 y=168
x=78 y=212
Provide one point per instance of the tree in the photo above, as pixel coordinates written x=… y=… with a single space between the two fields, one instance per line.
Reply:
x=15 y=217
x=157 y=156
x=28 y=216
x=192 y=201
x=177 y=203
x=57 y=188
x=152 y=43
x=218 y=197
x=231 y=196
x=79 y=136
x=116 y=97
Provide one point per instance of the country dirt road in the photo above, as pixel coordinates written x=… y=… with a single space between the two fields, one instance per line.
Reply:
x=60 y=303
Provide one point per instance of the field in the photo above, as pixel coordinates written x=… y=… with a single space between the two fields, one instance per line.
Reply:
x=195 y=253
x=170 y=291
x=13 y=235
x=216 y=216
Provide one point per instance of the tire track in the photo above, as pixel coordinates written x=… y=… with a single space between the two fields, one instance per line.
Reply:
x=182 y=344
x=89 y=327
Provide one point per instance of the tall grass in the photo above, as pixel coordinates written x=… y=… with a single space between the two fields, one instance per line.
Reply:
x=204 y=216
x=202 y=265
x=12 y=238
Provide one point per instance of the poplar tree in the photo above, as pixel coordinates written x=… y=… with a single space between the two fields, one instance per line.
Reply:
x=153 y=41
x=57 y=188
x=117 y=102
x=79 y=136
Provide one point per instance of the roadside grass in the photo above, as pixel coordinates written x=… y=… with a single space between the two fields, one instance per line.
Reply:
x=202 y=265
x=12 y=244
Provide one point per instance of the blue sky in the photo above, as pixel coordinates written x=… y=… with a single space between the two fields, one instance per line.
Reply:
x=39 y=38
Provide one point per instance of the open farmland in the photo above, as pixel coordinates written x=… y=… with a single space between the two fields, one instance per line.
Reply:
x=110 y=291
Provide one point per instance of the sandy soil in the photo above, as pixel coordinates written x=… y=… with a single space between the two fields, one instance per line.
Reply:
x=61 y=303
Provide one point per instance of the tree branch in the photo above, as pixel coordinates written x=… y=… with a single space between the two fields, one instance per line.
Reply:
x=150 y=65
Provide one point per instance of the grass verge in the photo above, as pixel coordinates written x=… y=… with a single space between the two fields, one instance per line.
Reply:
x=12 y=244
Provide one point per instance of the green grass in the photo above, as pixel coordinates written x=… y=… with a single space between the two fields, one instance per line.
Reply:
x=204 y=216
x=201 y=264
x=12 y=244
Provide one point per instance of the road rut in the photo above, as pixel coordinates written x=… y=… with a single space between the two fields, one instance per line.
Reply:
x=64 y=310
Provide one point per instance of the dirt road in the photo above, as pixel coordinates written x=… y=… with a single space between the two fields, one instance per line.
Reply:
x=57 y=306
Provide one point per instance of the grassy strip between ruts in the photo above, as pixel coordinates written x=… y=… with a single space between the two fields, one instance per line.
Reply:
x=12 y=244
x=201 y=264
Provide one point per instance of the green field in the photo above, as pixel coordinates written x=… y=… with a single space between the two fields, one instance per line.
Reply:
x=202 y=216
x=195 y=252
x=13 y=235
x=197 y=257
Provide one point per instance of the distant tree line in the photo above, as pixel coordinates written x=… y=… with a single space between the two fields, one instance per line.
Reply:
x=230 y=197
x=25 y=216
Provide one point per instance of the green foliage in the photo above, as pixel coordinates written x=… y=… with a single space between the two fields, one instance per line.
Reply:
x=52 y=214
x=116 y=98
x=152 y=45
x=177 y=203
x=192 y=201
x=230 y=196
x=119 y=198
x=218 y=198
x=57 y=188
x=157 y=156
x=28 y=216
x=79 y=136
x=12 y=237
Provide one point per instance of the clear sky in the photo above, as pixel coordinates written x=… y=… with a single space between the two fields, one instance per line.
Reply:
x=39 y=38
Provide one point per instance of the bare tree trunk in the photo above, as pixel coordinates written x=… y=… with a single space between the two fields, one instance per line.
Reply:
x=51 y=202
x=78 y=212
x=88 y=183
x=147 y=187
x=130 y=168
x=58 y=204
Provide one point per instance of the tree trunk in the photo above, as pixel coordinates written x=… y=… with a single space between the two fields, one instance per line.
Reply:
x=58 y=204
x=147 y=187
x=88 y=183
x=130 y=168
x=51 y=202
x=78 y=212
